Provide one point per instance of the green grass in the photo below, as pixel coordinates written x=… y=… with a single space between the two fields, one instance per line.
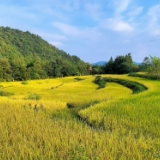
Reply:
x=144 y=75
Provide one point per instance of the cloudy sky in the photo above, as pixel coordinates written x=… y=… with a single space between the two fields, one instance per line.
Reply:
x=94 y=30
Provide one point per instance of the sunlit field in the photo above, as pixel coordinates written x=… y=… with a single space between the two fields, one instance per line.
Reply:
x=70 y=118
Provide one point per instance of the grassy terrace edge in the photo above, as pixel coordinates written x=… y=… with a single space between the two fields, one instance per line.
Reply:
x=134 y=86
x=135 y=74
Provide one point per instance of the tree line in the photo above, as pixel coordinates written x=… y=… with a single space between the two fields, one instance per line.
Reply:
x=151 y=65
x=26 y=56
x=121 y=65
x=125 y=65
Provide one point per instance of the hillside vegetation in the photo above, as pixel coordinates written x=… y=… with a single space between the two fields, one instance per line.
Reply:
x=27 y=56
x=71 y=118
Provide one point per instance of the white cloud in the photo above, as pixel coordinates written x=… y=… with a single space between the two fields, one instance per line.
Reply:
x=117 y=25
x=71 y=5
x=154 y=20
x=54 y=39
x=154 y=12
x=18 y=12
x=121 y=5
x=67 y=29
x=156 y=32
x=91 y=34
x=52 y=36
x=57 y=44
x=93 y=9
x=122 y=26
x=135 y=12
x=118 y=22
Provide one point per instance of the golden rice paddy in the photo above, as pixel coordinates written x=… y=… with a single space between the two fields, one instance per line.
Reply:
x=71 y=119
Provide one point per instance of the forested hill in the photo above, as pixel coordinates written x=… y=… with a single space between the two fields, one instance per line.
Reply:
x=27 y=56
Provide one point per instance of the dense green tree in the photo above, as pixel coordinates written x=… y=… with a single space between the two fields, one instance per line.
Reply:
x=97 y=69
x=128 y=58
x=152 y=66
x=5 y=70
x=18 y=67
x=118 y=66
x=123 y=64
x=49 y=68
x=135 y=68
x=146 y=64
x=108 y=67
x=30 y=57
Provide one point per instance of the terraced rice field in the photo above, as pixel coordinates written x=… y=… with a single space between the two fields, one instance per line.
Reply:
x=70 y=118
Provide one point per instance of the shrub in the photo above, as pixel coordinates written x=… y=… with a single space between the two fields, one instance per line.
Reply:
x=79 y=79
x=70 y=105
x=34 y=97
x=149 y=76
x=100 y=81
x=134 y=86
x=25 y=82
x=3 y=93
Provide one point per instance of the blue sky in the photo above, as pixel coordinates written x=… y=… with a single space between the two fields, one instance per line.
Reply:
x=91 y=29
